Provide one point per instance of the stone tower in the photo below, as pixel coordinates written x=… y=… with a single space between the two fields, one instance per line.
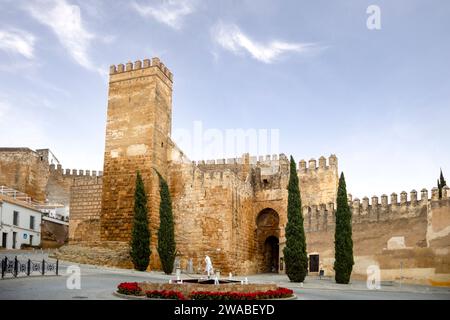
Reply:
x=137 y=137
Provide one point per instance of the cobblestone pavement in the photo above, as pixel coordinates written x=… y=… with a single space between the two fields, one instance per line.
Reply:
x=101 y=282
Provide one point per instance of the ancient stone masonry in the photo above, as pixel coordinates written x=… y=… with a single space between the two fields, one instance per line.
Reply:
x=407 y=238
x=228 y=208
x=319 y=183
x=216 y=203
x=137 y=139
x=213 y=215
x=48 y=184
x=60 y=182
x=32 y=173
x=25 y=170
x=85 y=208
x=234 y=210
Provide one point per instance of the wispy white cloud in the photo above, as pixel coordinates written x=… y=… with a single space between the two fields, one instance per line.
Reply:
x=169 y=12
x=65 y=20
x=18 y=42
x=231 y=38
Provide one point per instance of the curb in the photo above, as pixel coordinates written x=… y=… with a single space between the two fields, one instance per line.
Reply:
x=129 y=297
x=367 y=290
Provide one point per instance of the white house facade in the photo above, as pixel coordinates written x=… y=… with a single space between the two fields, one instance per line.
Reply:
x=20 y=224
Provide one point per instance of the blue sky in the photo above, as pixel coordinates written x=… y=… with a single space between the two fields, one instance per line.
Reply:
x=378 y=99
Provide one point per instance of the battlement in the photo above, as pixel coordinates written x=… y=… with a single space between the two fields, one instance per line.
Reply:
x=141 y=65
x=314 y=165
x=385 y=208
x=394 y=206
x=265 y=160
x=74 y=172
x=394 y=200
x=319 y=217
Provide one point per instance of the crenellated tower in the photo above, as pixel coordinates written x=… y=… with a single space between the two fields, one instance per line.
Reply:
x=137 y=137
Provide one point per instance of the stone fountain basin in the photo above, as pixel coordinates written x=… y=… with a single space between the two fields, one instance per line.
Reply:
x=210 y=281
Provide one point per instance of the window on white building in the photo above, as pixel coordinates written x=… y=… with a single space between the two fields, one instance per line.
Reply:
x=32 y=222
x=16 y=218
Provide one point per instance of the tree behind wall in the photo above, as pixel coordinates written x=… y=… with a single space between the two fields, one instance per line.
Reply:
x=140 y=237
x=295 y=255
x=166 y=233
x=343 y=243
x=441 y=184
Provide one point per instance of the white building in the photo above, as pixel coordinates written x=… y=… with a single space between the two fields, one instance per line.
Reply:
x=20 y=223
x=55 y=211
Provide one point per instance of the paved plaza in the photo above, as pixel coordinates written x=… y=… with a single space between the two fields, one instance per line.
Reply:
x=98 y=283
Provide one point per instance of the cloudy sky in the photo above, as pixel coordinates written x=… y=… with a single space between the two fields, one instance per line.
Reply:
x=378 y=99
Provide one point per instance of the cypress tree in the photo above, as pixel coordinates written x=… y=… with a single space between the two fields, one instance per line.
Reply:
x=439 y=188
x=441 y=184
x=140 y=236
x=343 y=243
x=166 y=233
x=295 y=255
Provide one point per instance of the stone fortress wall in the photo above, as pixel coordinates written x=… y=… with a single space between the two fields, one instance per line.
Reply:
x=31 y=172
x=233 y=210
x=25 y=170
x=217 y=204
x=60 y=182
x=230 y=208
x=85 y=209
x=408 y=239
x=137 y=139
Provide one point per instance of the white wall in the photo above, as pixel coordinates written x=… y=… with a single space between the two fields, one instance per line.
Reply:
x=22 y=229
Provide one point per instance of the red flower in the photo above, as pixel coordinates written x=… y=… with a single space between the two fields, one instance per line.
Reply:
x=165 y=294
x=129 y=288
x=270 y=294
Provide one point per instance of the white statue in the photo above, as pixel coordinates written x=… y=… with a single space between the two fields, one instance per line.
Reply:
x=209 y=267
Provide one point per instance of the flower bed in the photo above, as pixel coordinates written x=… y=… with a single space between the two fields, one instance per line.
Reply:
x=165 y=294
x=129 y=288
x=259 y=295
x=179 y=292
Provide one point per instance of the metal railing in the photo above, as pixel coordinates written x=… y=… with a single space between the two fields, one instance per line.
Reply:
x=17 y=195
x=44 y=208
x=17 y=268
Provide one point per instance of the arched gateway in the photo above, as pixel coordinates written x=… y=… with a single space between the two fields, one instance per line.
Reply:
x=267 y=237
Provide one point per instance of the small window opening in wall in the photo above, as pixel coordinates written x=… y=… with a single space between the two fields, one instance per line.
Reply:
x=266 y=182
x=16 y=218
x=162 y=144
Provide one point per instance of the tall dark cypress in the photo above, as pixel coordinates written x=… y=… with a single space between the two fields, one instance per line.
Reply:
x=343 y=243
x=166 y=233
x=295 y=255
x=140 y=236
x=441 y=184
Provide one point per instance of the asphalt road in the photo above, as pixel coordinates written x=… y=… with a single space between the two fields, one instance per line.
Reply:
x=325 y=294
x=99 y=283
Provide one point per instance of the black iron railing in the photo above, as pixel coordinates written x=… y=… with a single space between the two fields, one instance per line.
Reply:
x=17 y=268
